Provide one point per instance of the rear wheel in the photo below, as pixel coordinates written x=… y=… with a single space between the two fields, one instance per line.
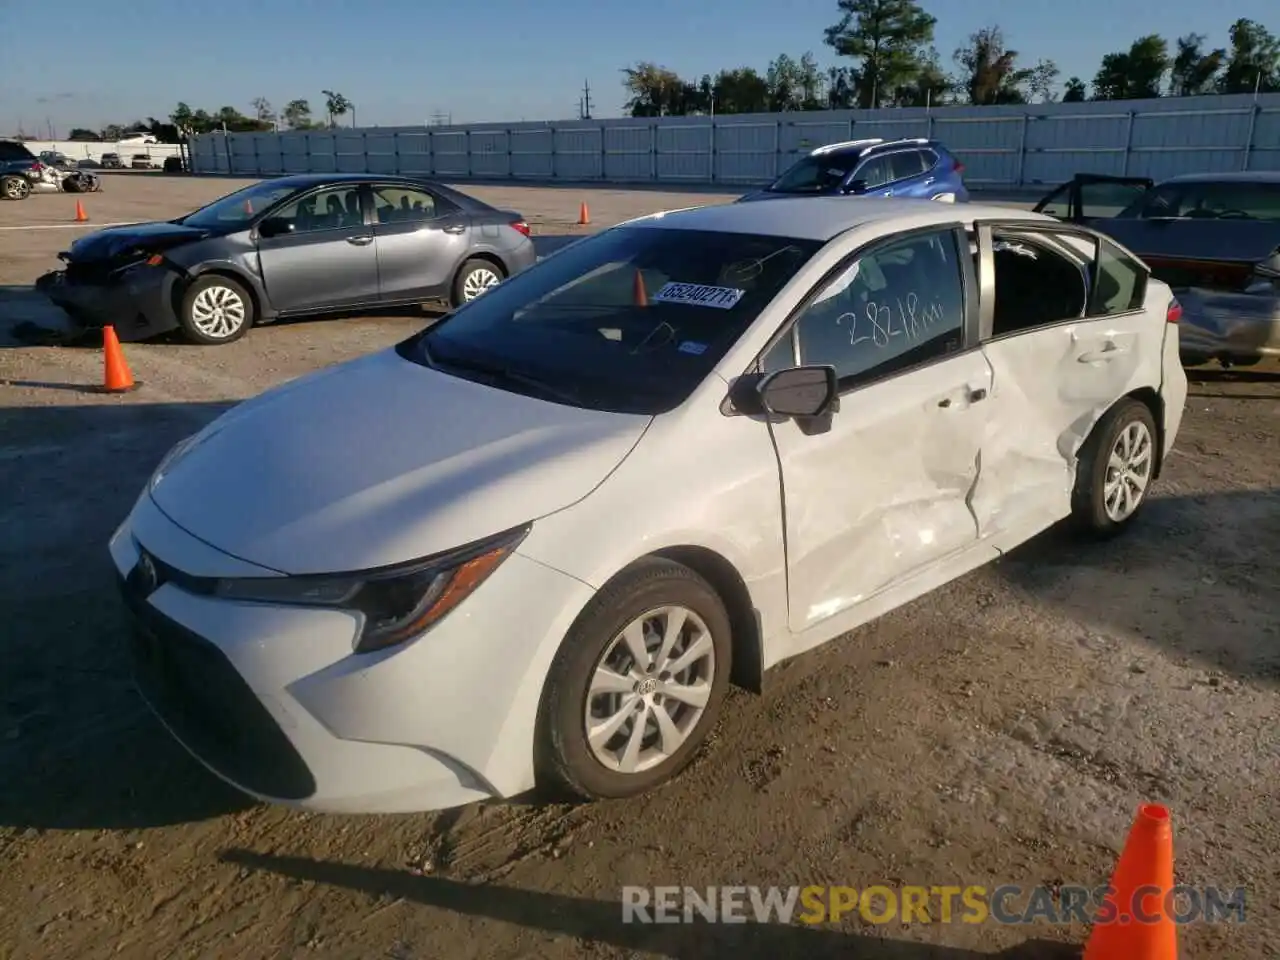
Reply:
x=15 y=188
x=474 y=279
x=216 y=310
x=1116 y=467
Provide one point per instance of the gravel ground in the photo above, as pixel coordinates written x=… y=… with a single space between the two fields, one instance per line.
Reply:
x=1001 y=730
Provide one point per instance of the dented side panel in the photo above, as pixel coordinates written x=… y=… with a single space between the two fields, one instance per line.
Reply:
x=885 y=491
x=1230 y=324
x=1049 y=387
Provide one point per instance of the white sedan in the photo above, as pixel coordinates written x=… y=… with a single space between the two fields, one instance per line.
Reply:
x=534 y=544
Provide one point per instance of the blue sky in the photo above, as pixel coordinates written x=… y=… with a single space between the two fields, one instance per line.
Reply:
x=400 y=61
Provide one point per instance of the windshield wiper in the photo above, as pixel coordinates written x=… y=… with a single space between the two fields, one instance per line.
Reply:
x=496 y=375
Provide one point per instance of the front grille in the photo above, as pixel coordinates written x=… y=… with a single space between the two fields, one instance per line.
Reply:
x=89 y=274
x=191 y=684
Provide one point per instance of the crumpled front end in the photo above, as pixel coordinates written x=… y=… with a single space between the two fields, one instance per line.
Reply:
x=137 y=299
x=1236 y=327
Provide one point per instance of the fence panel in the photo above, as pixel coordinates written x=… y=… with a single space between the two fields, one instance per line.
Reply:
x=1000 y=146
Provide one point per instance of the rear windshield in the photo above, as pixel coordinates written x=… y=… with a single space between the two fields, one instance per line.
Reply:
x=815 y=175
x=629 y=320
x=1223 y=200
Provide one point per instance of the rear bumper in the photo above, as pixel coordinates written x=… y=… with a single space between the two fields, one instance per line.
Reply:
x=1227 y=325
x=138 y=303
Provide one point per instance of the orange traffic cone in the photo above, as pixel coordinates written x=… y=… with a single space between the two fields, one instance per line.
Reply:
x=1138 y=925
x=639 y=295
x=81 y=216
x=248 y=207
x=116 y=376
x=584 y=216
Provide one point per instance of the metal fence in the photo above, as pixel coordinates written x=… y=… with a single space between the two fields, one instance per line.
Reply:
x=1006 y=146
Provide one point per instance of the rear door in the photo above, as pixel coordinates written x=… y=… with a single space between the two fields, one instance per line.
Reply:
x=1093 y=196
x=1064 y=328
x=421 y=239
x=328 y=261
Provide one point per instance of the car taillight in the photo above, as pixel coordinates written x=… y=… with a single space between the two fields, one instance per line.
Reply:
x=37 y=167
x=520 y=226
x=959 y=167
x=1174 y=313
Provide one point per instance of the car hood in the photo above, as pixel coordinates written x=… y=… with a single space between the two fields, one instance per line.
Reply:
x=380 y=461
x=115 y=242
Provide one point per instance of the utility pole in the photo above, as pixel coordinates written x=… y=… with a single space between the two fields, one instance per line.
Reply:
x=584 y=107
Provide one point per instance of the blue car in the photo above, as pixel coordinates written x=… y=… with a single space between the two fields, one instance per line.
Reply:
x=922 y=169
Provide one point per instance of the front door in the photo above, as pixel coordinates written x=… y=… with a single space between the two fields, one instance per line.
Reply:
x=421 y=238
x=330 y=260
x=1066 y=336
x=882 y=493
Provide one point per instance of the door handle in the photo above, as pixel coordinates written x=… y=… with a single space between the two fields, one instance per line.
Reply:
x=976 y=395
x=454 y=228
x=359 y=241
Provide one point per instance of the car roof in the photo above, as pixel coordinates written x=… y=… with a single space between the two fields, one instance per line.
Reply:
x=821 y=217
x=1244 y=176
x=871 y=145
x=302 y=180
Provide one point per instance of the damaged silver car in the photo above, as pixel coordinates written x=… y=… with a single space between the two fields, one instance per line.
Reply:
x=1213 y=237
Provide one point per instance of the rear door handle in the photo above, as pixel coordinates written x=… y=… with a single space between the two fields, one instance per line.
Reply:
x=455 y=228
x=359 y=241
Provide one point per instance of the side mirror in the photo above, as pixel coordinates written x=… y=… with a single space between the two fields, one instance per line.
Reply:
x=856 y=186
x=275 y=227
x=799 y=392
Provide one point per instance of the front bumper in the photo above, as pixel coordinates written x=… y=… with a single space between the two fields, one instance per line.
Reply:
x=272 y=699
x=138 y=303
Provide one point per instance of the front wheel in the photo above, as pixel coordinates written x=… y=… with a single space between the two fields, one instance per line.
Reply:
x=216 y=310
x=15 y=188
x=474 y=279
x=637 y=684
x=1115 y=470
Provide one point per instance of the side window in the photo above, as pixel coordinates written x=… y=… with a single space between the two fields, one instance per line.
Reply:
x=897 y=306
x=1104 y=199
x=781 y=356
x=908 y=163
x=1121 y=286
x=876 y=172
x=1035 y=283
x=332 y=208
x=398 y=204
x=1057 y=204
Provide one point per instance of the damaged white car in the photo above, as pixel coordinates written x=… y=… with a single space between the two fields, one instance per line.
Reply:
x=535 y=543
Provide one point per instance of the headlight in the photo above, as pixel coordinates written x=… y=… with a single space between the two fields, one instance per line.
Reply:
x=395 y=604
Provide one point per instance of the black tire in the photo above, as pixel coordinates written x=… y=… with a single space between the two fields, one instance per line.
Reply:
x=563 y=758
x=470 y=268
x=1089 y=498
x=14 y=188
x=197 y=297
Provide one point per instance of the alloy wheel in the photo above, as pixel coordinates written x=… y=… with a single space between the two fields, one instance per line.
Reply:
x=218 y=312
x=478 y=281
x=649 y=689
x=1128 y=471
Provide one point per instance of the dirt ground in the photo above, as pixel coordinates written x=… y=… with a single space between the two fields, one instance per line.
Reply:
x=1000 y=731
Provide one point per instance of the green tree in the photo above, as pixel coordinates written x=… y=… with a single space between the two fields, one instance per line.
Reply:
x=741 y=90
x=931 y=86
x=1136 y=74
x=1074 y=91
x=886 y=37
x=1194 y=70
x=990 y=72
x=1254 y=63
x=297 y=115
x=653 y=90
x=80 y=133
x=262 y=111
x=336 y=105
x=841 y=87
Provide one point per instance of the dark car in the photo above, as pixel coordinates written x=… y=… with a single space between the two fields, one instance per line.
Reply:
x=112 y=161
x=921 y=168
x=307 y=244
x=19 y=169
x=1213 y=237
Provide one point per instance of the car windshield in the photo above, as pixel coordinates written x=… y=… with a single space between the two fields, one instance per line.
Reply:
x=814 y=175
x=630 y=320
x=1220 y=200
x=238 y=208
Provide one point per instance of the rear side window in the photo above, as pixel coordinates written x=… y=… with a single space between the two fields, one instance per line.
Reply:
x=11 y=150
x=908 y=163
x=1121 y=285
x=1223 y=200
x=876 y=172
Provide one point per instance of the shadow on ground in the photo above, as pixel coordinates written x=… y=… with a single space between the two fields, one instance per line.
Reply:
x=79 y=750
x=601 y=923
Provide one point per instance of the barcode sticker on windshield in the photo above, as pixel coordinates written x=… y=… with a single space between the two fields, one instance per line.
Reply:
x=722 y=298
